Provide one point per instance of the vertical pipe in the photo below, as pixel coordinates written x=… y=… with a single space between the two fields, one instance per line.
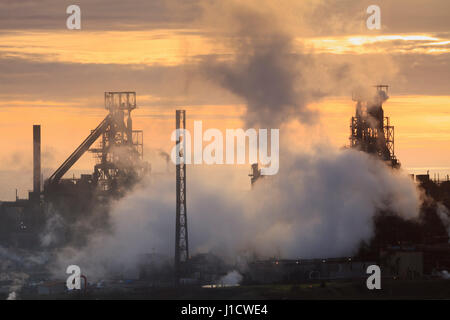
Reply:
x=36 y=159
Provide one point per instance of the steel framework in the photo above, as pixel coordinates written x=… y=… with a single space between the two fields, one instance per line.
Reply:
x=120 y=148
x=370 y=130
x=119 y=153
x=181 y=232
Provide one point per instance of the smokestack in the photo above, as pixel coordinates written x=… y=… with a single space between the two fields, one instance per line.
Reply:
x=36 y=159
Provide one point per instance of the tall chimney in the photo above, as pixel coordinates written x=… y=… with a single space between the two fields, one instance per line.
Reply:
x=36 y=159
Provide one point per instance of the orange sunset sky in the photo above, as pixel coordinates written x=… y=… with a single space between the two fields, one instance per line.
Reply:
x=56 y=77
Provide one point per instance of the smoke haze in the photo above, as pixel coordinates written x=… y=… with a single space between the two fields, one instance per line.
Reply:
x=319 y=205
x=322 y=202
x=272 y=71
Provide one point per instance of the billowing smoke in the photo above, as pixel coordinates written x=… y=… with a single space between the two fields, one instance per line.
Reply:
x=444 y=215
x=264 y=70
x=54 y=230
x=12 y=296
x=319 y=205
x=272 y=71
x=266 y=74
x=18 y=280
x=15 y=266
x=232 y=278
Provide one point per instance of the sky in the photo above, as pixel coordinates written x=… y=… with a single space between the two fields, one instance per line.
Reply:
x=198 y=55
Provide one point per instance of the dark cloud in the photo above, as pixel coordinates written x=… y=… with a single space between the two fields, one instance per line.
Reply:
x=423 y=74
x=49 y=81
x=262 y=69
x=331 y=17
x=414 y=74
x=99 y=14
x=337 y=17
x=24 y=79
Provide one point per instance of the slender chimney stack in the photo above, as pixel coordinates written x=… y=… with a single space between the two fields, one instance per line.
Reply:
x=36 y=159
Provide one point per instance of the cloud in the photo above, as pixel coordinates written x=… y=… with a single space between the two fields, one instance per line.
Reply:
x=98 y=14
x=75 y=84
x=274 y=75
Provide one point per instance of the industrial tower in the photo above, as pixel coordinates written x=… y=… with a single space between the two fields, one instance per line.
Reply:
x=120 y=148
x=181 y=230
x=119 y=153
x=370 y=130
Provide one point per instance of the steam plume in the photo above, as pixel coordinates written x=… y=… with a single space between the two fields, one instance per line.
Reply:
x=319 y=205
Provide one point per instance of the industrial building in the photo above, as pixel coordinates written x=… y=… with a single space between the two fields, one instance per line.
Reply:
x=119 y=165
x=306 y=270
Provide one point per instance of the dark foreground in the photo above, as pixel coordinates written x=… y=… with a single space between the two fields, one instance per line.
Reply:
x=391 y=289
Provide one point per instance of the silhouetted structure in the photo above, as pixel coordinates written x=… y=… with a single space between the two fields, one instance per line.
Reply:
x=181 y=229
x=370 y=130
x=119 y=166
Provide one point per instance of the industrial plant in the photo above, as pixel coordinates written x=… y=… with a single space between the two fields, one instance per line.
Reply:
x=119 y=165
x=406 y=250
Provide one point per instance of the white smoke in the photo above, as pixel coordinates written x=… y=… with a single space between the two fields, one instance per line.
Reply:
x=15 y=266
x=444 y=274
x=12 y=296
x=319 y=205
x=444 y=215
x=16 y=279
x=52 y=233
x=232 y=278
x=272 y=70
